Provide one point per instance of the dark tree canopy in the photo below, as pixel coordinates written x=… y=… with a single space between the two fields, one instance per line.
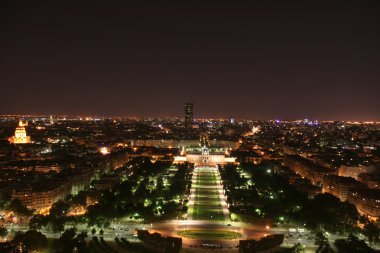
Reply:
x=32 y=240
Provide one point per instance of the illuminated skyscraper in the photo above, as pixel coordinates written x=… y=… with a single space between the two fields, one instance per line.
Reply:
x=20 y=136
x=189 y=114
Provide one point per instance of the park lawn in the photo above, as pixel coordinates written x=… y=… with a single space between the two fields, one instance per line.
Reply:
x=210 y=234
x=207 y=203
x=206 y=192
x=208 y=212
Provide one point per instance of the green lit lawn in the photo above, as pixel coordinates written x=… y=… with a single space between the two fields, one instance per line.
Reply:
x=207 y=204
x=208 y=214
x=209 y=234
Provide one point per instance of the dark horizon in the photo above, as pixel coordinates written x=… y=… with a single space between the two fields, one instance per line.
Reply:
x=253 y=61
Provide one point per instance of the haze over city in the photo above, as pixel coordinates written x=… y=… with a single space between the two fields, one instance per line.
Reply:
x=258 y=60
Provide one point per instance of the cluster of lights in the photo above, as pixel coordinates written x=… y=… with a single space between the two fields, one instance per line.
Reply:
x=104 y=151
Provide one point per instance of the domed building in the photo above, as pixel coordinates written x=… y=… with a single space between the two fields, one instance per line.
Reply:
x=20 y=136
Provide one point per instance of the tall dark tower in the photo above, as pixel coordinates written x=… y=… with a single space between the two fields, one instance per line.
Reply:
x=189 y=114
x=205 y=141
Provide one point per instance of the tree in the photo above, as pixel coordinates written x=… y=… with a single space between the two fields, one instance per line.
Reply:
x=372 y=232
x=79 y=200
x=32 y=240
x=66 y=243
x=93 y=231
x=352 y=245
x=348 y=216
x=101 y=232
x=323 y=243
x=160 y=184
x=81 y=244
x=297 y=248
x=57 y=225
x=3 y=232
x=59 y=209
x=38 y=221
x=328 y=212
x=363 y=219
x=107 y=224
x=58 y=216
x=18 y=208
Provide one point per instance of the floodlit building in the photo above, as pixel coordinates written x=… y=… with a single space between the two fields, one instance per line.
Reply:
x=204 y=154
x=354 y=171
x=20 y=136
x=43 y=197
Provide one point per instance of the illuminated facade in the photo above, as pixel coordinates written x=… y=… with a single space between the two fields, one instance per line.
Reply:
x=354 y=171
x=367 y=202
x=204 y=154
x=20 y=136
x=41 y=200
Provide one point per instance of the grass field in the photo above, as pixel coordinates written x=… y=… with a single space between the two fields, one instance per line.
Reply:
x=210 y=234
x=207 y=203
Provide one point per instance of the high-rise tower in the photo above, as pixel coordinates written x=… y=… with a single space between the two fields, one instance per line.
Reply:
x=189 y=117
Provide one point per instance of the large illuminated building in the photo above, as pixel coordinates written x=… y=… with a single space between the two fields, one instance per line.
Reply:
x=20 y=136
x=204 y=154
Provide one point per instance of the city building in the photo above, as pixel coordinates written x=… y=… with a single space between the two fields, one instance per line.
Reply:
x=43 y=197
x=81 y=182
x=367 y=202
x=189 y=116
x=340 y=187
x=354 y=171
x=48 y=168
x=304 y=185
x=20 y=136
x=172 y=143
x=371 y=180
x=306 y=168
x=106 y=182
x=204 y=154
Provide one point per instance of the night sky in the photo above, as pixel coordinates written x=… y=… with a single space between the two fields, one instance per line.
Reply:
x=256 y=61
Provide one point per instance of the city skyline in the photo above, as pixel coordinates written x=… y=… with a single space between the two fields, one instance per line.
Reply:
x=17 y=117
x=253 y=61
x=236 y=127
x=208 y=184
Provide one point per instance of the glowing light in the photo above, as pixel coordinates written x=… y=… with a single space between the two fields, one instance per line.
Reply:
x=20 y=136
x=104 y=151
